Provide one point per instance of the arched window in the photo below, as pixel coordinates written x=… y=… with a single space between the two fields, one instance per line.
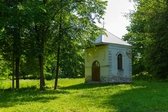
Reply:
x=119 y=62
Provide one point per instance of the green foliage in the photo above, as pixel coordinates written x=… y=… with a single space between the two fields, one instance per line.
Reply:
x=75 y=95
x=31 y=32
x=148 y=35
x=74 y=28
x=4 y=68
x=143 y=76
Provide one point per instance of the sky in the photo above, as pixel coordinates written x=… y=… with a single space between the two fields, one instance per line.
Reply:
x=114 y=20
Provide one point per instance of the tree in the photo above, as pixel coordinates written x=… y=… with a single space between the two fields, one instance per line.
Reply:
x=148 y=33
x=11 y=27
x=42 y=13
x=32 y=31
x=77 y=28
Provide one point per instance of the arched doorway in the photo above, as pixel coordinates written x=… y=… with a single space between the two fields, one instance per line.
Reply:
x=96 y=71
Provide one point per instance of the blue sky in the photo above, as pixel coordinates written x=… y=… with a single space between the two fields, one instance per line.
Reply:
x=115 y=22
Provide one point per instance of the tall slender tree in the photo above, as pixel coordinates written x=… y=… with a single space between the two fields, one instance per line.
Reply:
x=11 y=28
x=76 y=24
x=43 y=13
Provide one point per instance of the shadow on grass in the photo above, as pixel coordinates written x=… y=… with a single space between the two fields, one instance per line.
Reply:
x=9 y=97
x=145 y=97
x=87 y=86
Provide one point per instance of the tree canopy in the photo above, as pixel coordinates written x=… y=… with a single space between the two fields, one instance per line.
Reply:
x=148 y=35
x=38 y=36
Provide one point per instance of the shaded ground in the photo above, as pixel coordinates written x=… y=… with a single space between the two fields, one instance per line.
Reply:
x=75 y=96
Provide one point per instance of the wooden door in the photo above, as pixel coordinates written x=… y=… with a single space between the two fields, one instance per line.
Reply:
x=95 y=71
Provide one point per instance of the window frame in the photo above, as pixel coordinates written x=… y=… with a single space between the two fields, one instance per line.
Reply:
x=120 y=61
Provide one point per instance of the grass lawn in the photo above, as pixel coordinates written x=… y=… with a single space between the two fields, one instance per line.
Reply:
x=75 y=96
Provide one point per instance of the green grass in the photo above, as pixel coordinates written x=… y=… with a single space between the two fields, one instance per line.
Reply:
x=75 y=96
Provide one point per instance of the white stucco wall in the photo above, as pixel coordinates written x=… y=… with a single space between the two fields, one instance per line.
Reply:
x=116 y=75
x=107 y=57
x=99 y=53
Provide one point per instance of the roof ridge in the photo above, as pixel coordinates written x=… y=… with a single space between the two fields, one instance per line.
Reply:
x=114 y=35
x=108 y=37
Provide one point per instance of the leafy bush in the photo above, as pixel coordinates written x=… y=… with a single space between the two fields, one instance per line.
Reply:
x=49 y=76
x=143 y=76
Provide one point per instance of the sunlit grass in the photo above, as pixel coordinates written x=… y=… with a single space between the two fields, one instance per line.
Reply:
x=75 y=96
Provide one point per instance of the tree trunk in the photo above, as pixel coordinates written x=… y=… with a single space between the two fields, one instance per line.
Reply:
x=17 y=53
x=40 y=45
x=13 y=72
x=60 y=36
x=41 y=68
x=17 y=64
x=57 y=67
